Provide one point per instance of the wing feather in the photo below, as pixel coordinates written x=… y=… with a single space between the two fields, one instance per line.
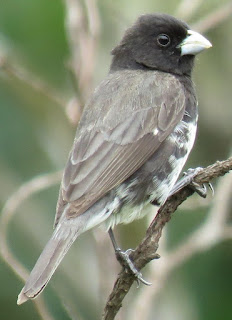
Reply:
x=118 y=134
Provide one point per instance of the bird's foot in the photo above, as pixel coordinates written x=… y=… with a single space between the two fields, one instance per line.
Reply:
x=124 y=259
x=187 y=180
x=200 y=189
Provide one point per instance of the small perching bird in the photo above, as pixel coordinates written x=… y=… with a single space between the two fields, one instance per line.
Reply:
x=133 y=139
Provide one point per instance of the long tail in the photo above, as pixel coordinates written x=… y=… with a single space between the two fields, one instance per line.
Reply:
x=56 y=248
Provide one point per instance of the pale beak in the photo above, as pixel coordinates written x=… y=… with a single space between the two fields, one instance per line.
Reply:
x=194 y=43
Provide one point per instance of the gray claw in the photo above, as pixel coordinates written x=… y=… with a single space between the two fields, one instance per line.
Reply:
x=200 y=189
x=147 y=283
x=187 y=180
x=125 y=260
x=211 y=188
x=139 y=279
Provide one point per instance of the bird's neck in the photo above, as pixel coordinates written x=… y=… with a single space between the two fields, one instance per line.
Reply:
x=183 y=66
x=125 y=62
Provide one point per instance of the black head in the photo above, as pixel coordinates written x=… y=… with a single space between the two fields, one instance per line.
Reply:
x=154 y=42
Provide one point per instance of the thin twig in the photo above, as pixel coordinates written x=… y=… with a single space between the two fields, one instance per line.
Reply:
x=24 y=192
x=211 y=232
x=146 y=251
x=214 y=18
x=82 y=31
x=13 y=71
x=187 y=8
x=30 y=80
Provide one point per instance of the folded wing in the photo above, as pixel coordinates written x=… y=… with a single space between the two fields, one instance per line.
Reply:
x=118 y=133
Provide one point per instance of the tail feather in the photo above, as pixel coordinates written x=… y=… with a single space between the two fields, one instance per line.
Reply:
x=48 y=262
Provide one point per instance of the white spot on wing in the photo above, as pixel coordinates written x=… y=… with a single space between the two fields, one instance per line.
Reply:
x=156 y=131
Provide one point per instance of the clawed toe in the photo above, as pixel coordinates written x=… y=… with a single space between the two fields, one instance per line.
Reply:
x=201 y=189
x=124 y=258
x=187 y=180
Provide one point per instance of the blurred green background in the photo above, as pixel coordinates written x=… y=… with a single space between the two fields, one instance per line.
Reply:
x=35 y=138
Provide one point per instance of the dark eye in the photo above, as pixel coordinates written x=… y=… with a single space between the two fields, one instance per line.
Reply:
x=163 y=40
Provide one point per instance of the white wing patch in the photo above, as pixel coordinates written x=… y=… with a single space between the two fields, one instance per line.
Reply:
x=156 y=131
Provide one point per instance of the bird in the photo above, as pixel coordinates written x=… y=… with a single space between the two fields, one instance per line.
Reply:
x=132 y=141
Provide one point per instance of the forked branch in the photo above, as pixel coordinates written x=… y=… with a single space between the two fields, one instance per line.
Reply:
x=146 y=251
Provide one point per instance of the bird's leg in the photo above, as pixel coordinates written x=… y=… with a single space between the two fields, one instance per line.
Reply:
x=187 y=180
x=124 y=259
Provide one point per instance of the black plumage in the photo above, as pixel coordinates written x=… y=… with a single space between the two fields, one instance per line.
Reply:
x=133 y=139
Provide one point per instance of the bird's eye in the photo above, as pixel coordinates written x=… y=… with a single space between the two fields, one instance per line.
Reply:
x=163 y=40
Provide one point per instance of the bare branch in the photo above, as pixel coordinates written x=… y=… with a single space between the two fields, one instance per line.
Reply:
x=211 y=232
x=146 y=251
x=187 y=8
x=82 y=32
x=24 y=192
x=214 y=18
x=70 y=107
x=30 y=80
